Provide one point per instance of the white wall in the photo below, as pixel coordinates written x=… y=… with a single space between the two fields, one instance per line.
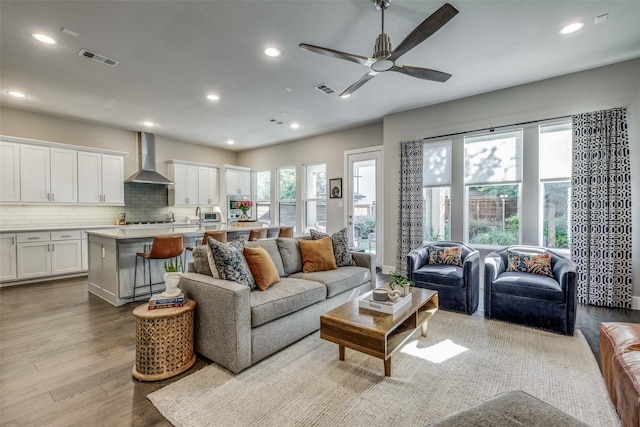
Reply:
x=327 y=148
x=617 y=85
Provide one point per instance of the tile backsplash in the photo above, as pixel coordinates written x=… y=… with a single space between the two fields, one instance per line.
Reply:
x=142 y=202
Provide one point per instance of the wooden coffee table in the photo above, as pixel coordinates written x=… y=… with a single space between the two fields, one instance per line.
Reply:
x=375 y=333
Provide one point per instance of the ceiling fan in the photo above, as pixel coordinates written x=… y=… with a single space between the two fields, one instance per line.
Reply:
x=384 y=59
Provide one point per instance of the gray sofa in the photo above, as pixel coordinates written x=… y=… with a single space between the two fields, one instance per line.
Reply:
x=236 y=326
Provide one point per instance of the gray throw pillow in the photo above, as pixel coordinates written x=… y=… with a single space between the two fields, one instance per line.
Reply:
x=201 y=260
x=340 y=246
x=230 y=261
x=290 y=253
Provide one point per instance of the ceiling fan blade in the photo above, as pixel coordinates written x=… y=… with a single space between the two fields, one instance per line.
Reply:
x=348 y=91
x=423 y=31
x=422 y=73
x=363 y=60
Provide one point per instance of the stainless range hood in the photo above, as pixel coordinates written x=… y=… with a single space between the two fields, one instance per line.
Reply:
x=146 y=173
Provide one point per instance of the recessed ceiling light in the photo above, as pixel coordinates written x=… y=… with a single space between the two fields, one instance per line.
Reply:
x=17 y=94
x=231 y=142
x=43 y=38
x=213 y=97
x=272 y=51
x=149 y=124
x=294 y=126
x=572 y=28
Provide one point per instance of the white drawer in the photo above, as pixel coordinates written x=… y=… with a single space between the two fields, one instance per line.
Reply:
x=66 y=235
x=35 y=236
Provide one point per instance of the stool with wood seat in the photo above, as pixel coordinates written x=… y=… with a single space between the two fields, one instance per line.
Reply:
x=163 y=247
x=286 y=232
x=219 y=235
x=258 y=234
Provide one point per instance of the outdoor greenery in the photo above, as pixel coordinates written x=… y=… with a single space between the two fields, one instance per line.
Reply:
x=487 y=233
x=366 y=224
x=287 y=184
x=562 y=232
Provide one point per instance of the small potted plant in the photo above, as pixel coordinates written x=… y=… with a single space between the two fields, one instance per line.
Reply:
x=244 y=206
x=401 y=280
x=172 y=278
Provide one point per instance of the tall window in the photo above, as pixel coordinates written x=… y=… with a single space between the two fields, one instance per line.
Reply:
x=315 y=197
x=493 y=173
x=436 y=191
x=263 y=196
x=555 y=181
x=287 y=195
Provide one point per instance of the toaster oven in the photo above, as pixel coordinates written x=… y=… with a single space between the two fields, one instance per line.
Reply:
x=212 y=217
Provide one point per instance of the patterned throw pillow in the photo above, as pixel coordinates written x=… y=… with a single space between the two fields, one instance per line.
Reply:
x=450 y=255
x=340 y=246
x=525 y=262
x=201 y=260
x=230 y=261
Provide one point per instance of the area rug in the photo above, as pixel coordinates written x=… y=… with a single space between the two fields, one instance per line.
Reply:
x=463 y=360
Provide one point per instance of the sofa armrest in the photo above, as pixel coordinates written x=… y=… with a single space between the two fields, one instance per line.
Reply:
x=222 y=319
x=471 y=274
x=564 y=271
x=366 y=260
x=493 y=267
x=416 y=259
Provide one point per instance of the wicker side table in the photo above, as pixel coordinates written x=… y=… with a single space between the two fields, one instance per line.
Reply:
x=164 y=341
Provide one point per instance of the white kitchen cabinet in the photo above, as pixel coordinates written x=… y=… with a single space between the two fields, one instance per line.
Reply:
x=100 y=178
x=84 y=247
x=195 y=185
x=42 y=254
x=48 y=175
x=103 y=274
x=9 y=172
x=238 y=181
x=208 y=190
x=8 y=266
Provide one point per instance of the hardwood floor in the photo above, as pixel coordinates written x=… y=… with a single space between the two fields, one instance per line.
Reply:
x=66 y=357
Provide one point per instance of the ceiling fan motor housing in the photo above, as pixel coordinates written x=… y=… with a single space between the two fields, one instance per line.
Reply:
x=382 y=48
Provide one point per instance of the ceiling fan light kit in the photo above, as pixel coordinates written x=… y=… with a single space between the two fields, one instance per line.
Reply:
x=384 y=57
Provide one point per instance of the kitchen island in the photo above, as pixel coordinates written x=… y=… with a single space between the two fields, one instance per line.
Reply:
x=112 y=256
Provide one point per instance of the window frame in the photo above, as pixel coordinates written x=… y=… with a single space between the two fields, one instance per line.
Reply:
x=305 y=197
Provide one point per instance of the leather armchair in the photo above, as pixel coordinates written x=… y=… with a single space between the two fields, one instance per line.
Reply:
x=531 y=299
x=458 y=287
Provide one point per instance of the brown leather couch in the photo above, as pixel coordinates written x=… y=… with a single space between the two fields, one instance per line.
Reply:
x=620 y=356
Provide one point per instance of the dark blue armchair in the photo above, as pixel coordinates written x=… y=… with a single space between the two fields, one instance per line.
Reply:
x=458 y=287
x=531 y=299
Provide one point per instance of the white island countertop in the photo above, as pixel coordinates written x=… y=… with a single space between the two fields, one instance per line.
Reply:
x=123 y=233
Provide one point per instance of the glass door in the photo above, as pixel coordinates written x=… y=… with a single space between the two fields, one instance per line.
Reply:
x=363 y=196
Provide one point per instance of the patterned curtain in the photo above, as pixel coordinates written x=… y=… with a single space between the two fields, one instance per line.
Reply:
x=410 y=203
x=601 y=208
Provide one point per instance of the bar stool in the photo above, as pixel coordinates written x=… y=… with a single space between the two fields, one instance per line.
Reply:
x=219 y=235
x=286 y=232
x=163 y=247
x=258 y=234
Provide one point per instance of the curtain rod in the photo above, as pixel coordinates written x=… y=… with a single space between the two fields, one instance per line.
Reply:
x=491 y=129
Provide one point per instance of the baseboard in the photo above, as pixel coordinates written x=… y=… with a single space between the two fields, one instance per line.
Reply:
x=635 y=303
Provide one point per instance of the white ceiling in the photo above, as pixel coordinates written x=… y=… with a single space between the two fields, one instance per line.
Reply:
x=172 y=53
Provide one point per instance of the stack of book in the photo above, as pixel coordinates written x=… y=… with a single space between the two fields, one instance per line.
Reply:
x=388 y=306
x=158 y=301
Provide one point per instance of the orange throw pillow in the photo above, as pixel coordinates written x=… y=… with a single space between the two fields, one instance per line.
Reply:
x=262 y=267
x=317 y=255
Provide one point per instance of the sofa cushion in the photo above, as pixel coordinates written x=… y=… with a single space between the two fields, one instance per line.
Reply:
x=230 y=262
x=262 y=267
x=451 y=255
x=290 y=253
x=285 y=297
x=441 y=274
x=529 y=262
x=340 y=243
x=271 y=247
x=340 y=280
x=201 y=260
x=317 y=255
x=528 y=285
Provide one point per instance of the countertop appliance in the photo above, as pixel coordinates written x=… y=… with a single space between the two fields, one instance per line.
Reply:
x=211 y=217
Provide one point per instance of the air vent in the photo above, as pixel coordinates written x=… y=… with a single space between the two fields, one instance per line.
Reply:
x=98 y=58
x=324 y=89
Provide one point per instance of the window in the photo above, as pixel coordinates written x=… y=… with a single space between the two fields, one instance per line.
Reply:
x=436 y=191
x=315 y=197
x=555 y=181
x=263 y=196
x=287 y=195
x=493 y=173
